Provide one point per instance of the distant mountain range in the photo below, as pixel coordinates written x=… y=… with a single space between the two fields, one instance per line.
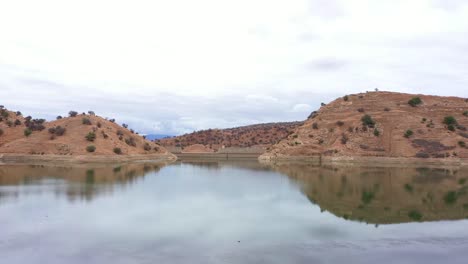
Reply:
x=157 y=136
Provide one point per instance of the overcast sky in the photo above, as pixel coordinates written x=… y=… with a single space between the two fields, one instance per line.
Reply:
x=176 y=66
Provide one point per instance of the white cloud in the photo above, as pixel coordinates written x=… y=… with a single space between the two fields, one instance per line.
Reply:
x=254 y=55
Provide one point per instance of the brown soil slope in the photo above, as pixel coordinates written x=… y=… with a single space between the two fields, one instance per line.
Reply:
x=247 y=136
x=44 y=141
x=337 y=129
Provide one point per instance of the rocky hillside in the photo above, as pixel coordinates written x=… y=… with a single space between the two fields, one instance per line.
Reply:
x=262 y=135
x=381 y=124
x=78 y=134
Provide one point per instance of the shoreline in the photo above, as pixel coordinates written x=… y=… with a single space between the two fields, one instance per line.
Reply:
x=364 y=160
x=82 y=159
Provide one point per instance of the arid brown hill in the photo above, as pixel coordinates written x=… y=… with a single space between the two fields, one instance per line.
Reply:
x=80 y=134
x=262 y=135
x=381 y=124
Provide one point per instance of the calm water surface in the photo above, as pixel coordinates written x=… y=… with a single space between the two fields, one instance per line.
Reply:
x=232 y=212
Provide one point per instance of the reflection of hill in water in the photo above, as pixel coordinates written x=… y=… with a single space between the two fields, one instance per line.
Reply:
x=384 y=195
x=83 y=182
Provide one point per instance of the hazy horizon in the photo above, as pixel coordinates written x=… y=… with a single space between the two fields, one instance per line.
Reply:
x=179 y=66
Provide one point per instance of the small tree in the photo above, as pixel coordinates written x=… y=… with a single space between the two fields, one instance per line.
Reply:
x=90 y=148
x=91 y=136
x=18 y=113
x=415 y=101
x=72 y=113
x=59 y=117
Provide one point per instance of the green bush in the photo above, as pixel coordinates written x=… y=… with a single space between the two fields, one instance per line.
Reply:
x=451 y=127
x=450 y=120
x=415 y=101
x=90 y=148
x=462 y=144
x=367 y=121
x=91 y=136
x=408 y=133
x=27 y=132
x=117 y=151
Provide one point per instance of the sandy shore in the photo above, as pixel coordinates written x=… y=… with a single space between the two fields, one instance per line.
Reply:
x=31 y=159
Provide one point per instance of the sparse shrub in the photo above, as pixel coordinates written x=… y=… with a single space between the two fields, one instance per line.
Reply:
x=423 y=120
x=72 y=113
x=112 y=120
x=322 y=104
x=18 y=113
x=344 y=139
x=132 y=131
x=91 y=136
x=350 y=129
x=4 y=113
x=339 y=123
x=465 y=113
x=90 y=148
x=462 y=144
x=376 y=132
x=130 y=141
x=99 y=124
x=1 y=132
x=147 y=147
x=59 y=117
x=91 y=113
x=386 y=109
x=104 y=135
x=27 y=132
x=125 y=125
x=315 y=126
x=408 y=133
x=320 y=141
x=312 y=115
x=451 y=127
x=117 y=151
x=295 y=136
x=367 y=121
x=86 y=121
x=9 y=123
x=415 y=101
x=120 y=132
x=59 y=131
x=345 y=98
x=360 y=110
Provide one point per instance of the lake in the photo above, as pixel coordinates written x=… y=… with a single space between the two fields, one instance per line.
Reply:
x=232 y=212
